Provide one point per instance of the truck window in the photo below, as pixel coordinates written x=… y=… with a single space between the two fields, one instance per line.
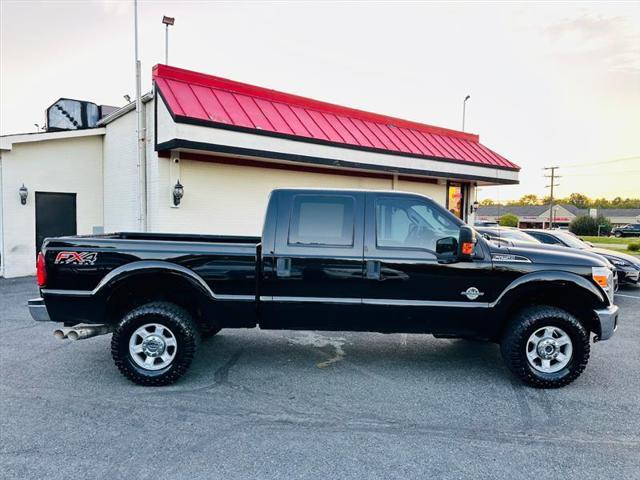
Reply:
x=323 y=220
x=411 y=223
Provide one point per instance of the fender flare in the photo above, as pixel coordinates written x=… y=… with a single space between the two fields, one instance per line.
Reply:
x=551 y=278
x=129 y=270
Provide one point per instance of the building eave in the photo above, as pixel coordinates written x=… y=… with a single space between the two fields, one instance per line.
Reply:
x=7 y=141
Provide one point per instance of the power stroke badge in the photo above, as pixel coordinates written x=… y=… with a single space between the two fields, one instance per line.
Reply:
x=76 y=258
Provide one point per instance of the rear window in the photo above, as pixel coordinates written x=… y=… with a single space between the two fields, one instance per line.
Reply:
x=323 y=220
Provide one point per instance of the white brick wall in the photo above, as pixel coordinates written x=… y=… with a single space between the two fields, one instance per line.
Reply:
x=120 y=175
x=70 y=165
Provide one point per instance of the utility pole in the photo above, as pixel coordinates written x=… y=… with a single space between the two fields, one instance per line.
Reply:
x=553 y=177
x=140 y=155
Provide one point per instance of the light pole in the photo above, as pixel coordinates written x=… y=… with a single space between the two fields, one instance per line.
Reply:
x=167 y=21
x=464 y=109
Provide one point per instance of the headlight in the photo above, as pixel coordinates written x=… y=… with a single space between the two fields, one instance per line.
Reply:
x=603 y=277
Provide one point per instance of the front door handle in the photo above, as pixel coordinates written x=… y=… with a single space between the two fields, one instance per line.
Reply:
x=283 y=267
x=373 y=270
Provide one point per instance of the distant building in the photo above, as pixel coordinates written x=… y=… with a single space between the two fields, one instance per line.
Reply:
x=537 y=216
x=225 y=145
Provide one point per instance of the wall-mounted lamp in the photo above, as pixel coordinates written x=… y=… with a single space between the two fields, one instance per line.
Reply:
x=178 y=193
x=24 y=193
x=474 y=207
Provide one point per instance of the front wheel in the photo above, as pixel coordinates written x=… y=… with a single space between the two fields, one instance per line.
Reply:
x=154 y=344
x=618 y=234
x=546 y=347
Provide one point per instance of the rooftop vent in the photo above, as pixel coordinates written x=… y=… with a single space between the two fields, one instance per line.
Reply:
x=69 y=114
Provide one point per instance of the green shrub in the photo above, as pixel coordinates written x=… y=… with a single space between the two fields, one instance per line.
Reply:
x=634 y=247
x=586 y=225
x=508 y=220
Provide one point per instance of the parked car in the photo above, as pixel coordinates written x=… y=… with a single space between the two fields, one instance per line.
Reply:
x=630 y=230
x=509 y=236
x=331 y=260
x=627 y=266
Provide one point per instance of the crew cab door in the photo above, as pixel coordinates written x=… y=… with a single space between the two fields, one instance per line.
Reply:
x=414 y=282
x=313 y=268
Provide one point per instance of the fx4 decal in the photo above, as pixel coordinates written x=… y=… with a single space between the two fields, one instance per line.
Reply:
x=76 y=258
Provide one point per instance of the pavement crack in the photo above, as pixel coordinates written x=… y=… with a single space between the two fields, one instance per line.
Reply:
x=221 y=375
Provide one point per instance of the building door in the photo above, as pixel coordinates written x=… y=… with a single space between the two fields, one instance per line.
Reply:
x=456 y=199
x=55 y=215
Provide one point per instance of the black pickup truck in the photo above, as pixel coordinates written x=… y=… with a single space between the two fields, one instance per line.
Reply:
x=328 y=260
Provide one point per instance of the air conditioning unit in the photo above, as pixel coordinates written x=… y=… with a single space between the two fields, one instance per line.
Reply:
x=69 y=114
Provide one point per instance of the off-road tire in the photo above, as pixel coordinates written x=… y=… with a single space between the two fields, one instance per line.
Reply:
x=522 y=326
x=177 y=320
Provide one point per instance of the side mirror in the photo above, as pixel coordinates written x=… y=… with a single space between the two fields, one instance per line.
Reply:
x=466 y=243
x=447 y=245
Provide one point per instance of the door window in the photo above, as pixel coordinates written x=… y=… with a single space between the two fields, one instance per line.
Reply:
x=323 y=220
x=414 y=223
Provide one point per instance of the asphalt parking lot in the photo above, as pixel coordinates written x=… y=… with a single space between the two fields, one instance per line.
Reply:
x=264 y=404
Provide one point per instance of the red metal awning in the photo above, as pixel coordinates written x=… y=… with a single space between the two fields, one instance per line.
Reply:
x=204 y=99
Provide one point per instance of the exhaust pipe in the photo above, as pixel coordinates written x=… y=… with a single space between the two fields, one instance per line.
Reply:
x=61 y=333
x=82 y=331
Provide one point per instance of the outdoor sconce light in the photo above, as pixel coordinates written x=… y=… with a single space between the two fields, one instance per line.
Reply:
x=474 y=207
x=23 y=194
x=178 y=193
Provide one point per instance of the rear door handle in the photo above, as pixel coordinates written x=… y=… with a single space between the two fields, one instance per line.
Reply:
x=373 y=270
x=283 y=267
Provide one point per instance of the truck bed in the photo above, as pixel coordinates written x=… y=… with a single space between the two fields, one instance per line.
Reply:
x=175 y=237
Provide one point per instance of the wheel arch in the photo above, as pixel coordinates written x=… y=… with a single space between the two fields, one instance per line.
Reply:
x=564 y=290
x=137 y=283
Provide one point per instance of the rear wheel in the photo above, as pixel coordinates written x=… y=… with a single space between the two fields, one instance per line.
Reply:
x=546 y=347
x=154 y=344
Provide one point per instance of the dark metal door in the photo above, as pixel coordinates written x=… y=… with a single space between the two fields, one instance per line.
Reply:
x=55 y=215
x=414 y=283
x=313 y=278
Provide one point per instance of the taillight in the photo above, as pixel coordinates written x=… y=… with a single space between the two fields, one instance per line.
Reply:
x=41 y=270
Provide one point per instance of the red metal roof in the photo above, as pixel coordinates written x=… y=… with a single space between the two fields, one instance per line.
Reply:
x=220 y=102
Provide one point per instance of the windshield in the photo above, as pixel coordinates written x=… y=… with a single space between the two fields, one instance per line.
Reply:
x=571 y=241
x=517 y=235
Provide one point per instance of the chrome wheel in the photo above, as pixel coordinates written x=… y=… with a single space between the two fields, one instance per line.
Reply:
x=153 y=346
x=549 y=349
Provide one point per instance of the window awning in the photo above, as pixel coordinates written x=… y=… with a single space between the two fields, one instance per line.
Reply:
x=207 y=100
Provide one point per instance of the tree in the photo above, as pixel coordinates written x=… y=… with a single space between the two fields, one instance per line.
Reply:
x=579 y=200
x=487 y=202
x=587 y=225
x=508 y=220
x=529 y=199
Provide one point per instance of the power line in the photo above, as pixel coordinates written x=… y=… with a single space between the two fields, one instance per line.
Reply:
x=602 y=162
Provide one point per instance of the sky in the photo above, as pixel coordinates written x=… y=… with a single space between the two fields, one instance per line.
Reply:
x=551 y=84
